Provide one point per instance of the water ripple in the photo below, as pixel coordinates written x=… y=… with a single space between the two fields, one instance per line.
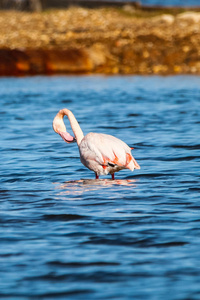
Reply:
x=66 y=235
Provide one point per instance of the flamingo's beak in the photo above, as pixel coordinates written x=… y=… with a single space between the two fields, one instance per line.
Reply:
x=67 y=137
x=74 y=140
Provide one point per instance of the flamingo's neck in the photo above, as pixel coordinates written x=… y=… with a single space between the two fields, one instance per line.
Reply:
x=74 y=125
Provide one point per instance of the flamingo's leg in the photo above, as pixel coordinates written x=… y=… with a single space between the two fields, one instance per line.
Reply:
x=113 y=176
x=97 y=177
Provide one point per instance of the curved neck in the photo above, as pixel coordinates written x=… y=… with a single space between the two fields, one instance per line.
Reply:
x=74 y=125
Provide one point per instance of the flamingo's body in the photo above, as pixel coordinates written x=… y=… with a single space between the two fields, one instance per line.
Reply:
x=101 y=153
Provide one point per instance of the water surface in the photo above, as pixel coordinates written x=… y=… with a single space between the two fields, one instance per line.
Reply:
x=180 y=3
x=65 y=235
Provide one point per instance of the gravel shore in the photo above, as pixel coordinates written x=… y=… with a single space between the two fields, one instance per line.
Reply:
x=104 y=40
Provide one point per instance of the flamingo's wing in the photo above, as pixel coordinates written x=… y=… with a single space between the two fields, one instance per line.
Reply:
x=110 y=151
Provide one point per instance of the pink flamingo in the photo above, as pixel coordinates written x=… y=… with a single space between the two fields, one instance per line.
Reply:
x=101 y=153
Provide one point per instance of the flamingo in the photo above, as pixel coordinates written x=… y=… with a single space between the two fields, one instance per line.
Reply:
x=101 y=153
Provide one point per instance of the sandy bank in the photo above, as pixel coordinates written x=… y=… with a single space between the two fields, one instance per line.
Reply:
x=104 y=40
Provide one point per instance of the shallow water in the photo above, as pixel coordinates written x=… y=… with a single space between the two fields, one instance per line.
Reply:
x=65 y=235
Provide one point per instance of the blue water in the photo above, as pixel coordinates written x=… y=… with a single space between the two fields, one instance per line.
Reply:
x=65 y=235
x=171 y=2
x=181 y=3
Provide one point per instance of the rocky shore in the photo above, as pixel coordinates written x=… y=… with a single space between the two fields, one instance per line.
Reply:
x=103 y=40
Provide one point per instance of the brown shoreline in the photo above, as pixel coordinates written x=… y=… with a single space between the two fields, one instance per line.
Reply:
x=104 y=41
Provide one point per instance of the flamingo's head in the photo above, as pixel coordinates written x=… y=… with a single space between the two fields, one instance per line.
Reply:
x=59 y=127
